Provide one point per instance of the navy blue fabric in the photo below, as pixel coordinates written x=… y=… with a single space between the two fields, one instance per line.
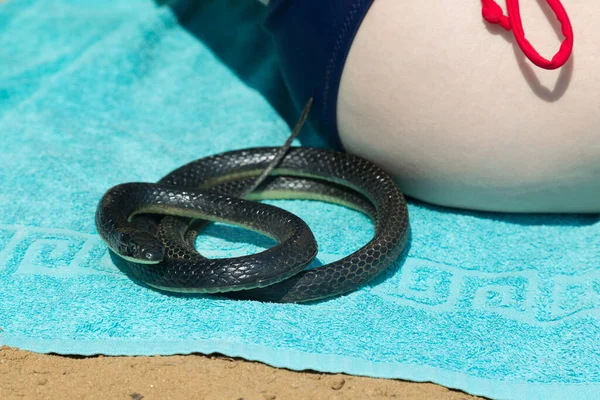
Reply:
x=232 y=31
x=313 y=38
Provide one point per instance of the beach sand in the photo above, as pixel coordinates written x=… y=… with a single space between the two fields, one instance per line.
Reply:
x=26 y=375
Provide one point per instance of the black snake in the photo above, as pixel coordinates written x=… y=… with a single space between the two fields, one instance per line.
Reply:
x=160 y=251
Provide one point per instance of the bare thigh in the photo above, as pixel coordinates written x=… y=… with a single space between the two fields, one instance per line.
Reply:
x=455 y=112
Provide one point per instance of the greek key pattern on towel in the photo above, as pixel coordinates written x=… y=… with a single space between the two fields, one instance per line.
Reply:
x=53 y=252
x=525 y=295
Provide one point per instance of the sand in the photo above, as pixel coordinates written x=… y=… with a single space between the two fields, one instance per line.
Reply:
x=26 y=375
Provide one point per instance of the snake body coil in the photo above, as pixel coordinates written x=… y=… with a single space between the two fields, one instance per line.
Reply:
x=162 y=254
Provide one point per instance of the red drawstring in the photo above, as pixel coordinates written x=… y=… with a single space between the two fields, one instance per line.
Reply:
x=493 y=13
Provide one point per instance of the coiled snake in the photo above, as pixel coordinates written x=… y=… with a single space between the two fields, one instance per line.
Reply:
x=159 y=251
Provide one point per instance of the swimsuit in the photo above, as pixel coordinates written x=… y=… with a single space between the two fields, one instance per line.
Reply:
x=313 y=38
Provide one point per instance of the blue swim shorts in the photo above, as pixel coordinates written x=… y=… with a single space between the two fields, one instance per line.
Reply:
x=312 y=38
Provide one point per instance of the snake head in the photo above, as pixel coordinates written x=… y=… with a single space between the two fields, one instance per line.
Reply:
x=140 y=247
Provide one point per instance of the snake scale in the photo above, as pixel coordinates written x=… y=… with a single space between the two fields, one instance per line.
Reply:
x=152 y=227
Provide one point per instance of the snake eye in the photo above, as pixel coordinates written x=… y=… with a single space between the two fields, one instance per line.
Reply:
x=152 y=255
x=146 y=248
x=140 y=246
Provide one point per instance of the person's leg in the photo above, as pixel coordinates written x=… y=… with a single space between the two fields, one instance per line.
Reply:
x=460 y=118
x=447 y=103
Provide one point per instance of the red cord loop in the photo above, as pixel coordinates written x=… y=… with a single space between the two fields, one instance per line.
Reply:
x=492 y=13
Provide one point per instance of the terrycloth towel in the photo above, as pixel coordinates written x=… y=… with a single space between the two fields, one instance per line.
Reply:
x=90 y=96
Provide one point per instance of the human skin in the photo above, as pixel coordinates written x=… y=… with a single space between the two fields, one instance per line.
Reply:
x=448 y=104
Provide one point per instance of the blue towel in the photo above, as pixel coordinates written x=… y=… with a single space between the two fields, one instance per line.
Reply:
x=504 y=306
